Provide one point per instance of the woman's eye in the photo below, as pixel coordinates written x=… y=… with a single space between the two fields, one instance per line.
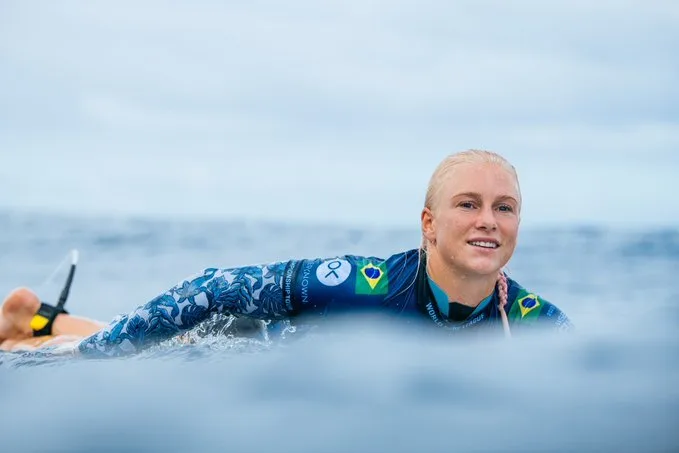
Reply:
x=506 y=208
x=467 y=205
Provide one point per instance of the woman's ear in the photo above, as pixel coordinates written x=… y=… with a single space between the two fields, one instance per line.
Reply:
x=428 y=225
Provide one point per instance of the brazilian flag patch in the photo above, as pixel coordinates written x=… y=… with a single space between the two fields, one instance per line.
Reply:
x=372 y=278
x=527 y=306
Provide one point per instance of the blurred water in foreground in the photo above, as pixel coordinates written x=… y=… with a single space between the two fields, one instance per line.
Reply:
x=363 y=386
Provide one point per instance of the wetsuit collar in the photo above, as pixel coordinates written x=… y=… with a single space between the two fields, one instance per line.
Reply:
x=446 y=307
x=429 y=305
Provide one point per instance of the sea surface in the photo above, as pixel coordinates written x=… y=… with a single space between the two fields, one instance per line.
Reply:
x=359 y=385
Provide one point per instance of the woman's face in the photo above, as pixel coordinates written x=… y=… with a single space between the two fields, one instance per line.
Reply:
x=474 y=220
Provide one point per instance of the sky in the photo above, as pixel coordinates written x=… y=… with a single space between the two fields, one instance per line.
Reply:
x=337 y=111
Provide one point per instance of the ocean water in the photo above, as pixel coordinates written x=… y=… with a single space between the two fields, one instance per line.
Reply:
x=359 y=385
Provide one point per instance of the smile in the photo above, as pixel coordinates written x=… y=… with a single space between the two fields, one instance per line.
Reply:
x=484 y=244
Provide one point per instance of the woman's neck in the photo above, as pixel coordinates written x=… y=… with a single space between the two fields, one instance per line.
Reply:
x=467 y=289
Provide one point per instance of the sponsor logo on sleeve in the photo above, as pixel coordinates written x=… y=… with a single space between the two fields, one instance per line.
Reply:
x=306 y=273
x=333 y=272
x=372 y=278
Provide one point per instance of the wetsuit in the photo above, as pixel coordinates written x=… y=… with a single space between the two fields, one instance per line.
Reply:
x=304 y=290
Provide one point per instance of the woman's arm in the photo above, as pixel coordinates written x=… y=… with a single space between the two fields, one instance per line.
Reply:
x=252 y=291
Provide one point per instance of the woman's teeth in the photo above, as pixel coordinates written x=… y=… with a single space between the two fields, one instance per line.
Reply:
x=484 y=244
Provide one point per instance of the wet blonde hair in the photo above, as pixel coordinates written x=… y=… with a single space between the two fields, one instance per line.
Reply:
x=470 y=156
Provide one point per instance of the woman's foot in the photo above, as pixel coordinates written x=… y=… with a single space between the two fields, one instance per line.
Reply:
x=16 y=313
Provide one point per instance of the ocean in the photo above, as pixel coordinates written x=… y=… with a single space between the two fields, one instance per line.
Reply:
x=358 y=386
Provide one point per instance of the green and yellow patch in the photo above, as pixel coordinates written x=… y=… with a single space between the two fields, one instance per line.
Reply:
x=527 y=306
x=372 y=278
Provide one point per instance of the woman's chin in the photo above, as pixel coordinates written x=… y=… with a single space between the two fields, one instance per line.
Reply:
x=483 y=268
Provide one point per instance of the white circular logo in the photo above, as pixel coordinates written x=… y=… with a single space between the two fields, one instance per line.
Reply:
x=333 y=272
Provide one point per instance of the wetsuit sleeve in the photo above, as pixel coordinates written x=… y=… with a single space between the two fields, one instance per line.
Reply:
x=252 y=291
x=552 y=316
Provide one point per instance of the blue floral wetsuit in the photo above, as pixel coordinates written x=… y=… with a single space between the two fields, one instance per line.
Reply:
x=300 y=289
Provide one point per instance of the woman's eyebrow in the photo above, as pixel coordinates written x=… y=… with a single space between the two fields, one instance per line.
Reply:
x=507 y=197
x=479 y=196
x=468 y=194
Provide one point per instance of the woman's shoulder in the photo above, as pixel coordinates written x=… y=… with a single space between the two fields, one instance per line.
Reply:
x=529 y=307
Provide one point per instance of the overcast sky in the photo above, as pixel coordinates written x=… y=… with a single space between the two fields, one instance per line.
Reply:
x=338 y=111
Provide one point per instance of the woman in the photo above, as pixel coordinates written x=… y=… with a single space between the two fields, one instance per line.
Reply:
x=454 y=281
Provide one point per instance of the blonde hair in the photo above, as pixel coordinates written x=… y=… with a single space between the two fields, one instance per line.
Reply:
x=470 y=156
